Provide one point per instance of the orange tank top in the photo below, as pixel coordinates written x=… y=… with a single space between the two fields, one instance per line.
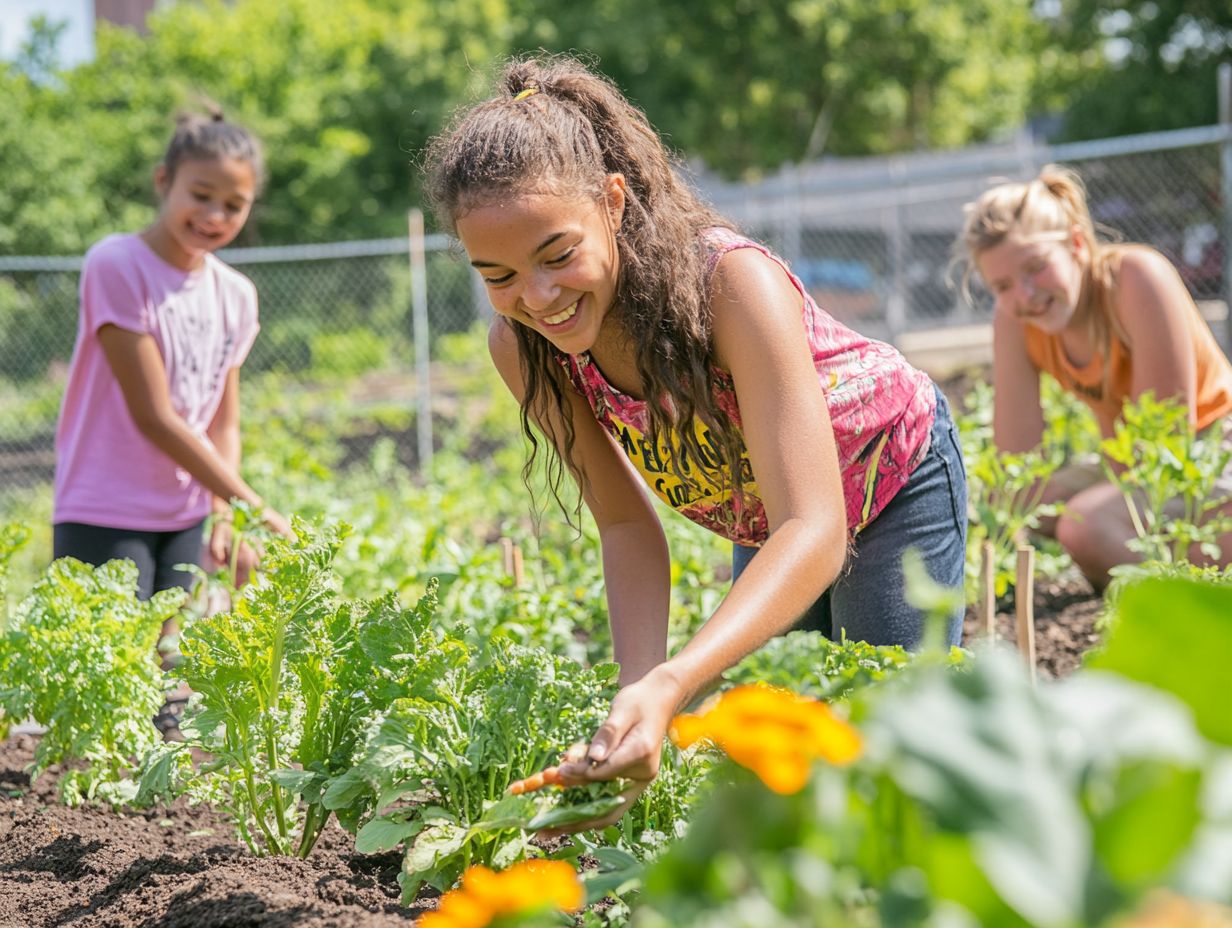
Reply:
x=1107 y=394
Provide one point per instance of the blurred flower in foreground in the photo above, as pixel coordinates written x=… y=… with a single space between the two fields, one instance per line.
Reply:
x=773 y=732
x=527 y=887
x=1167 y=910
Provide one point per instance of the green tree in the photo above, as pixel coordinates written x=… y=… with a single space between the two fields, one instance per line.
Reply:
x=1153 y=64
x=343 y=93
x=749 y=85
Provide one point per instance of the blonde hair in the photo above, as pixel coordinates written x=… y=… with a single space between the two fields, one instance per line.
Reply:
x=1051 y=206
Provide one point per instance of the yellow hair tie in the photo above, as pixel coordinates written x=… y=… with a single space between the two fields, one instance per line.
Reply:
x=528 y=92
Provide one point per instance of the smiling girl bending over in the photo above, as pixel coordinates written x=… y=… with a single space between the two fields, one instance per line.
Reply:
x=148 y=438
x=657 y=348
x=1109 y=322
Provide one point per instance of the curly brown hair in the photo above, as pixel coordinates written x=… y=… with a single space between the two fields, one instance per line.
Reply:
x=555 y=126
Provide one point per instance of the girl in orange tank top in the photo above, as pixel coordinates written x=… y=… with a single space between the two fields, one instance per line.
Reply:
x=1109 y=322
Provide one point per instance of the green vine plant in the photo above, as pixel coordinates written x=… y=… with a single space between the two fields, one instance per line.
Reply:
x=1169 y=475
x=1005 y=491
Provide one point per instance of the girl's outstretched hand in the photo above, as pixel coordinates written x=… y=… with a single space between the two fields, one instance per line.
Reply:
x=276 y=522
x=628 y=745
x=221 y=538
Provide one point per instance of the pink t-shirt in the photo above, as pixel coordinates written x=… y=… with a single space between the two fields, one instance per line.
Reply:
x=204 y=323
x=881 y=408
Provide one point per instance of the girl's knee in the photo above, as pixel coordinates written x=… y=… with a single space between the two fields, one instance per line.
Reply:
x=1081 y=538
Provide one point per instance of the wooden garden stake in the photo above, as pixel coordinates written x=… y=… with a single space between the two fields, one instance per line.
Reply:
x=988 y=590
x=511 y=560
x=518 y=577
x=1024 y=601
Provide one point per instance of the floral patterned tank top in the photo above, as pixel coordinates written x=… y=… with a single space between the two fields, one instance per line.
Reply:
x=881 y=409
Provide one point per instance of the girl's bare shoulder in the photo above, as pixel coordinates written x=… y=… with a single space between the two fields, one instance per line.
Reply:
x=748 y=279
x=1149 y=289
x=1140 y=265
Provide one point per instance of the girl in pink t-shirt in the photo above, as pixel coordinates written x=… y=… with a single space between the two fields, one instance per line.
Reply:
x=662 y=353
x=147 y=445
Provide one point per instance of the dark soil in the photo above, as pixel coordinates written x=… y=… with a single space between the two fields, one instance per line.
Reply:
x=175 y=868
x=1065 y=612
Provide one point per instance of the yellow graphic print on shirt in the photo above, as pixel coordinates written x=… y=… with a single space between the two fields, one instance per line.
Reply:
x=708 y=485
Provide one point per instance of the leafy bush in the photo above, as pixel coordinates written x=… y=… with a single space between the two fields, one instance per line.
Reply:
x=1168 y=475
x=434 y=769
x=284 y=686
x=80 y=659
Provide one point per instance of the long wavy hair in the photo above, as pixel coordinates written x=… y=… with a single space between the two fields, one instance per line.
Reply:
x=1053 y=204
x=554 y=126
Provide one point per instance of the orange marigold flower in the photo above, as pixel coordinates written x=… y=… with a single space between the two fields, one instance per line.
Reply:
x=773 y=732
x=485 y=895
x=1165 y=909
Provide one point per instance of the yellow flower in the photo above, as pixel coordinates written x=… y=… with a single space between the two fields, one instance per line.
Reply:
x=773 y=732
x=485 y=895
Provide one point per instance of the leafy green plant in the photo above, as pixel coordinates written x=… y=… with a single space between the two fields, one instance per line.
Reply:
x=981 y=799
x=435 y=768
x=13 y=537
x=1005 y=491
x=285 y=685
x=80 y=660
x=1168 y=475
x=811 y=664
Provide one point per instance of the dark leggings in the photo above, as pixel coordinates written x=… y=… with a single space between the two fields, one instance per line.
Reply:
x=156 y=554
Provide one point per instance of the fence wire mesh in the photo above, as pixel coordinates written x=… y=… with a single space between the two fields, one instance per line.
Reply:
x=872 y=241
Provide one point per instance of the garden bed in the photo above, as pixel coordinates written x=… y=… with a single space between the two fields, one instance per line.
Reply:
x=182 y=867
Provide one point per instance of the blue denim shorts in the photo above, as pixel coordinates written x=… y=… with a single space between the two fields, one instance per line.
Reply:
x=867 y=602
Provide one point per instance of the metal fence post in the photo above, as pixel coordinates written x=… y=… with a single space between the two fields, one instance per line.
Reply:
x=420 y=333
x=1224 y=77
x=896 y=257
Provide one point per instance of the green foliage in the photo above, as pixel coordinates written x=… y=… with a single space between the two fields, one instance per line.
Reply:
x=345 y=93
x=339 y=92
x=79 y=659
x=813 y=665
x=1166 y=634
x=748 y=86
x=434 y=769
x=284 y=687
x=1168 y=475
x=1004 y=492
x=1146 y=66
x=13 y=537
x=980 y=800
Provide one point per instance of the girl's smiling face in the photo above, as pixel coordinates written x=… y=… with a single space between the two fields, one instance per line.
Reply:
x=204 y=207
x=549 y=261
x=1038 y=279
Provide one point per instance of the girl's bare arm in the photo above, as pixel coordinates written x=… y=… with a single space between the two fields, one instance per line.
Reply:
x=1017 y=417
x=636 y=564
x=138 y=368
x=1152 y=304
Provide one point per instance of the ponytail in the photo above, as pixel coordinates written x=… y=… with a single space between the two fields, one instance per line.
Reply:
x=1053 y=205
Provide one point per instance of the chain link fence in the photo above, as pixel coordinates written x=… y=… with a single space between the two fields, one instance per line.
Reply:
x=871 y=239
